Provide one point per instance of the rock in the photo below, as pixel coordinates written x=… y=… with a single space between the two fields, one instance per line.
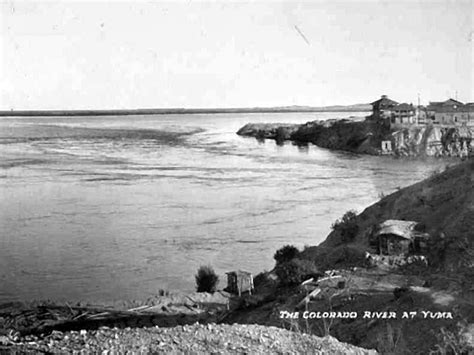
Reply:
x=365 y=137
x=278 y=131
x=198 y=338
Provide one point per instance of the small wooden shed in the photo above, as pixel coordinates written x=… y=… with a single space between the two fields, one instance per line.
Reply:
x=396 y=237
x=239 y=282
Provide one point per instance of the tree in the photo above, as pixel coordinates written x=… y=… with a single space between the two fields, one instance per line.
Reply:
x=295 y=271
x=286 y=253
x=206 y=279
x=347 y=226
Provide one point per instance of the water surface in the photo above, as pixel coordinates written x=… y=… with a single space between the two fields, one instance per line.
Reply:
x=106 y=208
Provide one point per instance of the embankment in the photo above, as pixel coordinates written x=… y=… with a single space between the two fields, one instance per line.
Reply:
x=442 y=203
x=443 y=206
x=159 y=329
x=366 y=137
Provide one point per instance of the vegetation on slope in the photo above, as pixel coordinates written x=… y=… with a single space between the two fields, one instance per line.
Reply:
x=444 y=206
x=443 y=203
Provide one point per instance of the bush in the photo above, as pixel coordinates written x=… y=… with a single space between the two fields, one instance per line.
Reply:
x=262 y=280
x=286 y=253
x=344 y=257
x=346 y=226
x=295 y=271
x=420 y=227
x=206 y=279
x=390 y=340
x=457 y=341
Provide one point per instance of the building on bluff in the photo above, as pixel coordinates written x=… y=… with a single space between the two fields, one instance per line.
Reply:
x=443 y=113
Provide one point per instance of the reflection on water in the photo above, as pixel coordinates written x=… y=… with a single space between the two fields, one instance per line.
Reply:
x=104 y=208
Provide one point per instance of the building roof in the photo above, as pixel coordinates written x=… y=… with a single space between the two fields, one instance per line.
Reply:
x=451 y=109
x=403 y=229
x=404 y=107
x=452 y=102
x=469 y=107
x=384 y=101
x=445 y=106
x=433 y=105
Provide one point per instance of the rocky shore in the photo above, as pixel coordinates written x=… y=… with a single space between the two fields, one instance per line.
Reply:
x=196 y=338
x=170 y=323
x=366 y=137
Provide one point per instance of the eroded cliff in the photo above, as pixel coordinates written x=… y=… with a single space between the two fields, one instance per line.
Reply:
x=368 y=137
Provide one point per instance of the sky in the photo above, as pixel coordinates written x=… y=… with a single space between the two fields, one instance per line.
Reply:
x=195 y=54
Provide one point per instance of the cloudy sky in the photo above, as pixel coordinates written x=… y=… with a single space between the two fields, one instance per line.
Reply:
x=89 y=54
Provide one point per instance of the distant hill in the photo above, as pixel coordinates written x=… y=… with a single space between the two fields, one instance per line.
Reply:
x=170 y=111
x=338 y=108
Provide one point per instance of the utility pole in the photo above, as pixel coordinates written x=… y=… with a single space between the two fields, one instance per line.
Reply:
x=417 y=111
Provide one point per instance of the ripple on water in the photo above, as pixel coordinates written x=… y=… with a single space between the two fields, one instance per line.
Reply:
x=115 y=207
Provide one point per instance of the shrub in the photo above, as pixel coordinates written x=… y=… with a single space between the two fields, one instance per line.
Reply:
x=420 y=227
x=262 y=280
x=400 y=292
x=390 y=340
x=344 y=257
x=286 y=253
x=295 y=271
x=206 y=279
x=457 y=341
x=346 y=226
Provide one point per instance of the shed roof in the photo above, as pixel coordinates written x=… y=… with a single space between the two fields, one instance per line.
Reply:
x=403 y=229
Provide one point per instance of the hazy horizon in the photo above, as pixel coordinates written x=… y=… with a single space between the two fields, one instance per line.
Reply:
x=131 y=55
x=302 y=107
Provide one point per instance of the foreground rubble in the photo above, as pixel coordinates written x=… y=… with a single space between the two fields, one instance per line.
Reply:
x=196 y=338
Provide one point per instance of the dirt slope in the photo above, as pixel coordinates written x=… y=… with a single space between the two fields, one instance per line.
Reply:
x=444 y=203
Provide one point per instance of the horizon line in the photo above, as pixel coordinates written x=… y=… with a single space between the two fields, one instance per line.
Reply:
x=178 y=110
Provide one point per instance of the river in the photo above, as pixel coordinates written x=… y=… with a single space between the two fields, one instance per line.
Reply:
x=109 y=208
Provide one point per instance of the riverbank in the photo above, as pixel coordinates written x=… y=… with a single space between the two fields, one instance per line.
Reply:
x=196 y=338
x=167 y=324
x=410 y=307
x=370 y=137
x=438 y=295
